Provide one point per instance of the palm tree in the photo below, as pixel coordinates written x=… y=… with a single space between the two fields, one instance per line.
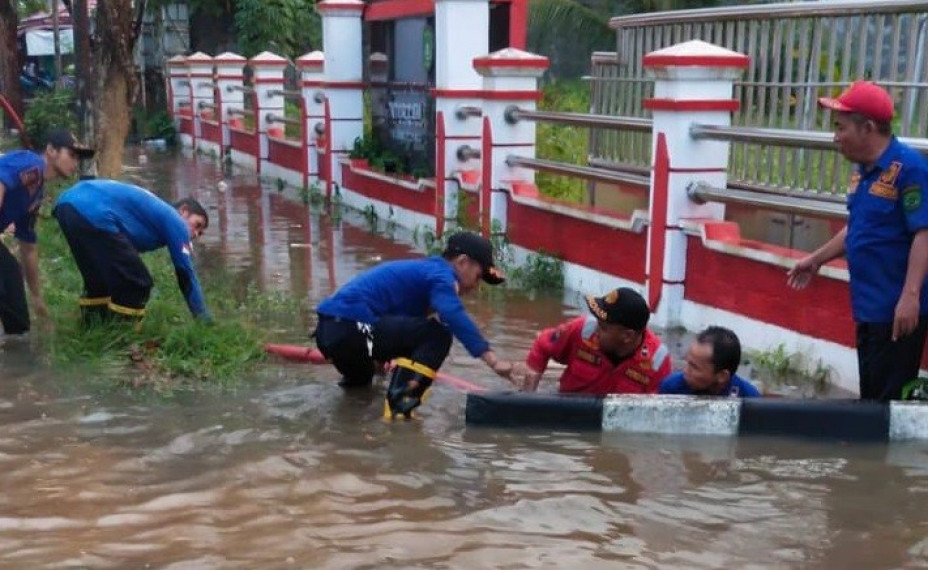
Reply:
x=568 y=32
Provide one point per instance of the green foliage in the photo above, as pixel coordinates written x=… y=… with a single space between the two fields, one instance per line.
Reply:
x=292 y=111
x=567 y=32
x=25 y=8
x=779 y=367
x=370 y=214
x=563 y=143
x=540 y=272
x=313 y=195
x=286 y=27
x=378 y=156
x=154 y=125
x=49 y=110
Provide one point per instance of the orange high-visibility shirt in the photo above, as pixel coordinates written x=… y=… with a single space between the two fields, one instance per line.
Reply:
x=589 y=371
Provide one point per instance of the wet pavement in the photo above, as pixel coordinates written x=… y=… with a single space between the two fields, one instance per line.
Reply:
x=289 y=471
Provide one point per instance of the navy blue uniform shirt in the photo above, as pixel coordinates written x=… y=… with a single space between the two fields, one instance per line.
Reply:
x=887 y=205
x=22 y=174
x=739 y=387
x=412 y=287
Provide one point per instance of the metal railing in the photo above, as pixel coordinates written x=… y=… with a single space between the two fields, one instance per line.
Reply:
x=272 y=118
x=782 y=137
x=585 y=172
x=799 y=51
x=604 y=171
x=701 y=192
x=634 y=124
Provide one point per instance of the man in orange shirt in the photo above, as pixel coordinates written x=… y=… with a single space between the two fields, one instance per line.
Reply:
x=609 y=351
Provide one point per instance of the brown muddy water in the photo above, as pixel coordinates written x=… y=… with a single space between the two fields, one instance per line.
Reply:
x=290 y=472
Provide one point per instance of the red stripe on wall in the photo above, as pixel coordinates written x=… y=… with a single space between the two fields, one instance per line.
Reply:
x=758 y=290
x=335 y=84
x=511 y=62
x=211 y=131
x=421 y=201
x=285 y=155
x=518 y=23
x=244 y=141
x=660 y=60
x=576 y=240
x=396 y=9
x=658 y=225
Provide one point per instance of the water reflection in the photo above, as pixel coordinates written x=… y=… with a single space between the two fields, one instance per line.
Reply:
x=291 y=472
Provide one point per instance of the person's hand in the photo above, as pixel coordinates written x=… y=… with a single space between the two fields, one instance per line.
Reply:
x=905 y=318
x=800 y=275
x=38 y=306
x=503 y=368
x=524 y=378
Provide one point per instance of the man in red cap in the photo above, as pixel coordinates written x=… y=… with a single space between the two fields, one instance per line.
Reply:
x=885 y=240
x=609 y=351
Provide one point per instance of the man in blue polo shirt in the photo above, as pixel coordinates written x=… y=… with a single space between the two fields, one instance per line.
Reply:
x=107 y=224
x=23 y=175
x=885 y=240
x=711 y=362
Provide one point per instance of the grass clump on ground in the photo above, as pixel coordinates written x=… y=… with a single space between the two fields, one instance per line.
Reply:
x=168 y=350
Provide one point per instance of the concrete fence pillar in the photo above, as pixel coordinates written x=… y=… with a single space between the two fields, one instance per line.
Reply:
x=693 y=84
x=230 y=74
x=342 y=42
x=462 y=33
x=178 y=86
x=268 y=71
x=510 y=80
x=200 y=68
x=312 y=80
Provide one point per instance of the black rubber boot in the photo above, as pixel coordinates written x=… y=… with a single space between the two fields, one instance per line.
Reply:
x=405 y=392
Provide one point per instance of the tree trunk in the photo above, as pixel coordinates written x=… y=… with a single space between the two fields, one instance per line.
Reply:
x=9 y=56
x=116 y=82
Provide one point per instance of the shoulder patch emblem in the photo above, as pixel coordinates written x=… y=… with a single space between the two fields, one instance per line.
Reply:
x=885 y=187
x=890 y=174
x=912 y=198
x=31 y=179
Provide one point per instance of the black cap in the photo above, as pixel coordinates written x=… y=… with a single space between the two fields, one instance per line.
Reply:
x=480 y=250
x=63 y=138
x=623 y=306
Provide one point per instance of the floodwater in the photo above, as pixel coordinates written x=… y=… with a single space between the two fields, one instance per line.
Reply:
x=291 y=472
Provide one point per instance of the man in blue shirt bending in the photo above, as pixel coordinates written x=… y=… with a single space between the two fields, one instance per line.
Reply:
x=408 y=310
x=107 y=224
x=22 y=187
x=711 y=362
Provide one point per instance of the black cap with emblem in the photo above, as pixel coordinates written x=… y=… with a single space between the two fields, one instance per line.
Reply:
x=480 y=250
x=63 y=138
x=623 y=306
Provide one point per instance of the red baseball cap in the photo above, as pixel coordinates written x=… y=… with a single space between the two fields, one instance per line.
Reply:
x=863 y=97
